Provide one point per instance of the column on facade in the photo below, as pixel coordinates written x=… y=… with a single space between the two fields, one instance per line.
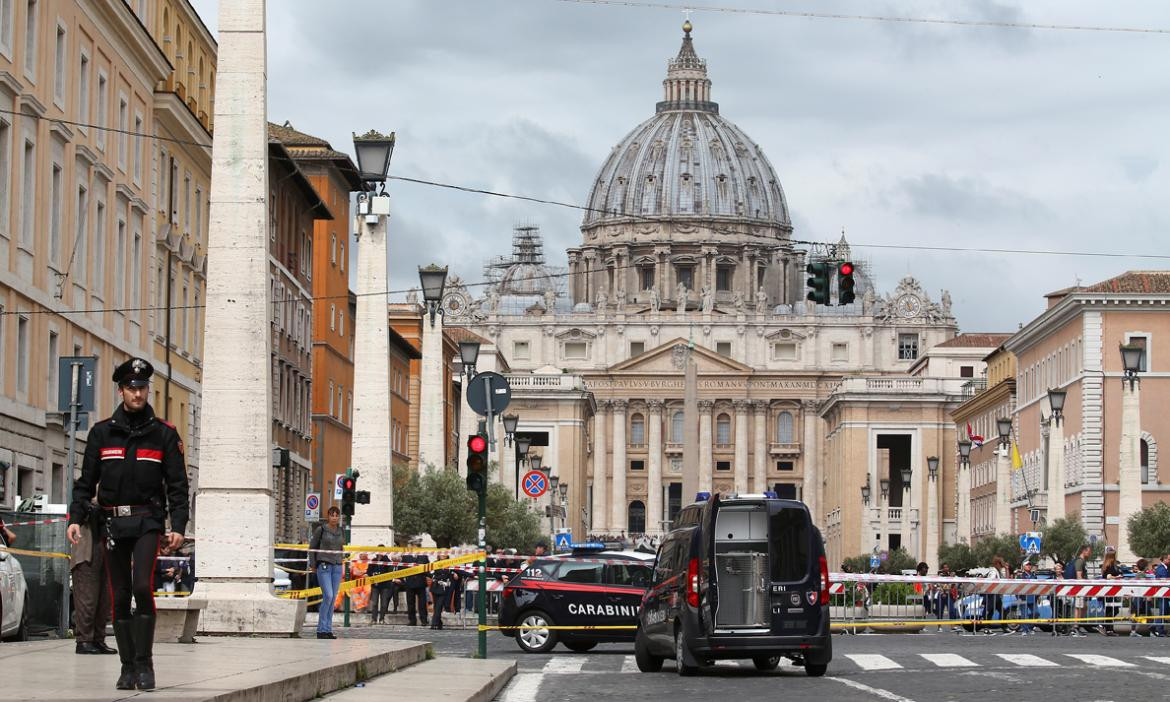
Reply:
x=706 y=457
x=599 y=516
x=617 y=520
x=1003 y=491
x=432 y=440
x=741 y=445
x=963 y=508
x=1129 y=478
x=760 y=451
x=654 y=513
x=1055 y=469
x=810 y=468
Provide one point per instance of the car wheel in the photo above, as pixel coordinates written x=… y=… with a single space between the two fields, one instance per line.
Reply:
x=647 y=662
x=815 y=670
x=680 y=658
x=580 y=646
x=22 y=629
x=534 y=636
x=766 y=663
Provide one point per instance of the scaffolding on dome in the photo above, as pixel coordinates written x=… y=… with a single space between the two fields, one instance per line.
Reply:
x=524 y=275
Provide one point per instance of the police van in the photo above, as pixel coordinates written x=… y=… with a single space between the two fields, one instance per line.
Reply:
x=741 y=577
x=590 y=587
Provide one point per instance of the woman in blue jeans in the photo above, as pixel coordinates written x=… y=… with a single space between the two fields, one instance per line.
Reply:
x=325 y=559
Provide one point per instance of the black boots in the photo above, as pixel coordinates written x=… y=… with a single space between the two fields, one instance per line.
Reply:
x=124 y=635
x=143 y=650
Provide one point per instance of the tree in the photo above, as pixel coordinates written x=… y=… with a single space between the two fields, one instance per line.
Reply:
x=960 y=557
x=896 y=561
x=510 y=522
x=1006 y=546
x=449 y=506
x=1149 y=531
x=1063 y=538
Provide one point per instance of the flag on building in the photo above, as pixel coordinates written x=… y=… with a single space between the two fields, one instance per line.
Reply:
x=975 y=438
x=1017 y=462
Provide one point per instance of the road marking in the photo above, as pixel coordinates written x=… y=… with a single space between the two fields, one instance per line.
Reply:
x=1103 y=661
x=1158 y=659
x=948 y=660
x=872 y=661
x=523 y=688
x=564 y=664
x=1027 y=660
x=876 y=691
x=630 y=665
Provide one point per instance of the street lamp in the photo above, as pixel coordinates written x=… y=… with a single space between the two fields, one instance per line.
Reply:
x=932 y=467
x=373 y=151
x=510 y=422
x=564 y=491
x=965 y=453
x=1004 y=426
x=469 y=354
x=1056 y=402
x=885 y=485
x=1131 y=359
x=522 y=445
x=906 y=475
x=865 y=494
x=534 y=462
x=434 y=279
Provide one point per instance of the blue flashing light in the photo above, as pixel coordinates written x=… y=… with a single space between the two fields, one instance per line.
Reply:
x=702 y=496
x=771 y=494
x=588 y=546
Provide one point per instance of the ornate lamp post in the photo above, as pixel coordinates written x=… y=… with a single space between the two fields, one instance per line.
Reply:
x=1056 y=400
x=932 y=525
x=963 y=513
x=1129 y=477
x=904 y=515
x=1003 y=477
x=432 y=448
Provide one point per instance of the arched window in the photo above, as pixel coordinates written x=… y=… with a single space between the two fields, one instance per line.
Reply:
x=784 y=428
x=636 y=518
x=723 y=429
x=1145 y=456
x=637 y=429
x=676 y=428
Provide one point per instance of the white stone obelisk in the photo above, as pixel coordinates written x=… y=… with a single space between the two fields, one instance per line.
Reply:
x=1003 y=491
x=1055 y=469
x=932 y=526
x=432 y=440
x=1129 y=479
x=373 y=523
x=234 y=531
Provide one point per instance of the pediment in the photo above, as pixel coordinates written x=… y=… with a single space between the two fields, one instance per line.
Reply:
x=785 y=334
x=575 y=333
x=663 y=359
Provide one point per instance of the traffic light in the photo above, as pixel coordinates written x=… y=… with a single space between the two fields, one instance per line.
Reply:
x=348 y=494
x=819 y=282
x=845 y=284
x=477 y=445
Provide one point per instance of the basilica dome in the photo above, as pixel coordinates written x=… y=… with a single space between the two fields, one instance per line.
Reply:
x=687 y=162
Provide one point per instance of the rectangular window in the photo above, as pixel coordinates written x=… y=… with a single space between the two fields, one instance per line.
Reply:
x=966 y=371
x=5 y=167
x=349 y=399
x=785 y=466
x=343 y=257
x=520 y=351
x=120 y=263
x=577 y=350
x=1143 y=341
x=723 y=276
x=333 y=248
x=341 y=324
x=22 y=354
x=638 y=465
x=136 y=273
x=686 y=276
x=907 y=347
x=137 y=149
x=54 y=354
x=28 y=206
x=783 y=351
x=187 y=202
x=30 y=40
x=647 y=277
x=198 y=232
x=790 y=540
x=6 y=9
x=723 y=348
x=83 y=91
x=123 y=127
x=103 y=106
x=340 y=402
x=723 y=465
x=55 y=215
x=332 y=317
x=59 y=68
x=99 y=250
x=331 y=398
x=183 y=316
x=81 y=245
x=840 y=352
x=637 y=348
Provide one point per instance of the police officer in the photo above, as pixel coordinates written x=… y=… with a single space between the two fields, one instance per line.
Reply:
x=134 y=465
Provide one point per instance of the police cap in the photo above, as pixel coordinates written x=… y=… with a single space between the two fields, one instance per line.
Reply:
x=136 y=373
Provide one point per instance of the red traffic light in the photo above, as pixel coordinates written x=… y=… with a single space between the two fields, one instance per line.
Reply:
x=845 y=268
x=348 y=483
x=476 y=444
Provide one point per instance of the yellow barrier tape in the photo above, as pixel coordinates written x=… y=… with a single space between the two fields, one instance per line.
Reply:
x=38 y=554
x=292 y=570
x=164 y=593
x=372 y=549
x=851 y=623
x=395 y=575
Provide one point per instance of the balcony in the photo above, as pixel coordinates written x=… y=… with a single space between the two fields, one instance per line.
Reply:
x=675 y=447
x=971 y=388
x=900 y=386
x=777 y=448
x=530 y=382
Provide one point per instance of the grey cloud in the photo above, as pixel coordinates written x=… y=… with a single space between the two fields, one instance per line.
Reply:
x=966 y=197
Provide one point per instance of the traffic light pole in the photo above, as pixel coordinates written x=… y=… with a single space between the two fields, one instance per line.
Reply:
x=482 y=495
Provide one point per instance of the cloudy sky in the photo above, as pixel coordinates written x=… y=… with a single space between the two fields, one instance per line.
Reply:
x=902 y=134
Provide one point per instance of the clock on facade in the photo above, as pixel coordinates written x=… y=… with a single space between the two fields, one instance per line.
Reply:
x=908 y=306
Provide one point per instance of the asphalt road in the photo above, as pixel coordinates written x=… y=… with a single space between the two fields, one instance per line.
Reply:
x=892 y=667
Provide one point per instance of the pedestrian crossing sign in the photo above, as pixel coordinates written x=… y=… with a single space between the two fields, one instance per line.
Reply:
x=562 y=541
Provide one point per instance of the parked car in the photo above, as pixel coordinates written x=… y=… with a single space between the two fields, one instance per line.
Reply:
x=14 y=604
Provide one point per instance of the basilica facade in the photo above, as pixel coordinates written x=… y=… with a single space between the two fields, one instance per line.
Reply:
x=686 y=257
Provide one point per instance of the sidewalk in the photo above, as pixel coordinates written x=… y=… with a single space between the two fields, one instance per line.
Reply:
x=224 y=669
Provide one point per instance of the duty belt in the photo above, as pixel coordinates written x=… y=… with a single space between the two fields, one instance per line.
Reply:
x=129 y=510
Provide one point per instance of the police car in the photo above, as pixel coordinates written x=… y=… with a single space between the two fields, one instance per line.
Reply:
x=590 y=587
x=14 y=599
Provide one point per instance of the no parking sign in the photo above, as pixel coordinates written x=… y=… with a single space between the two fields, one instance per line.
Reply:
x=534 y=484
x=313 y=506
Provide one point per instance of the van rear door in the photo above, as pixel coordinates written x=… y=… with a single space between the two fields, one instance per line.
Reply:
x=708 y=596
x=795 y=571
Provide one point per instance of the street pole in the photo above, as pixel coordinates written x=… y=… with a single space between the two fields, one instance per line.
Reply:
x=71 y=462
x=344 y=560
x=482 y=499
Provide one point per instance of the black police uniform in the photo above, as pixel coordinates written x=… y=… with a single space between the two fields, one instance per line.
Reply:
x=416 y=591
x=441 y=583
x=134 y=464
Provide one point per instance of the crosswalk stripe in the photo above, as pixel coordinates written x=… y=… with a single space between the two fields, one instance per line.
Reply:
x=523 y=688
x=872 y=661
x=1027 y=660
x=1103 y=661
x=1158 y=659
x=565 y=664
x=948 y=660
x=630 y=665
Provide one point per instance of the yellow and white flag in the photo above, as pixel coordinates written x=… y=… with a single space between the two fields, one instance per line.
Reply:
x=1017 y=462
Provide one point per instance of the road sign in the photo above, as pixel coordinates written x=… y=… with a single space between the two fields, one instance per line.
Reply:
x=874 y=562
x=562 y=541
x=479 y=387
x=86 y=376
x=313 y=506
x=534 y=484
x=1030 y=542
x=337 y=486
